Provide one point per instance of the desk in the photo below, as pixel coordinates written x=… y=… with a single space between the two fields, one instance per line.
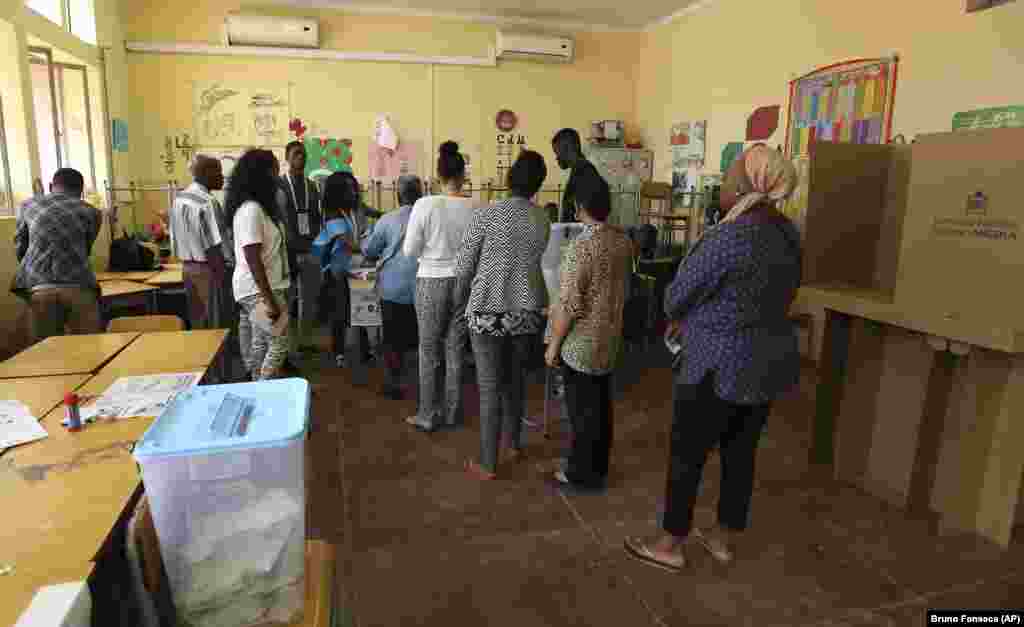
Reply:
x=167 y=278
x=921 y=410
x=128 y=294
x=140 y=277
x=41 y=394
x=62 y=495
x=66 y=354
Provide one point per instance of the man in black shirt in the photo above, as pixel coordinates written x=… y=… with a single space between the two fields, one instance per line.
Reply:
x=299 y=199
x=569 y=154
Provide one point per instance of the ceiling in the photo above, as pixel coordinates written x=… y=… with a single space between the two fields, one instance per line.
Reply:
x=562 y=14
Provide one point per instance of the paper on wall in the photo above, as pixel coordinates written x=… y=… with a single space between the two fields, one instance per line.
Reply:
x=18 y=425
x=146 y=395
x=385 y=135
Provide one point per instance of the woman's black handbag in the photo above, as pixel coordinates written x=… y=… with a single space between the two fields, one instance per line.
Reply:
x=127 y=254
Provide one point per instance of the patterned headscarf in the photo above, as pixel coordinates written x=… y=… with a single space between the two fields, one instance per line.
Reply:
x=766 y=175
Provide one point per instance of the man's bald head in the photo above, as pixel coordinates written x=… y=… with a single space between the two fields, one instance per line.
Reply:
x=208 y=172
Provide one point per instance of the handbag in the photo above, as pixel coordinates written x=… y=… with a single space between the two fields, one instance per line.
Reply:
x=127 y=254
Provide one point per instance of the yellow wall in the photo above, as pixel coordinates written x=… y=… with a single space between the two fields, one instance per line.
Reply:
x=427 y=104
x=723 y=61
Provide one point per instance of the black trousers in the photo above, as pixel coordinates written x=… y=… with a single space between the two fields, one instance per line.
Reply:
x=589 y=403
x=700 y=422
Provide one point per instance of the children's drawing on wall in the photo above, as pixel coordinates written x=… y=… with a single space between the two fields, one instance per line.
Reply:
x=240 y=115
x=325 y=156
x=167 y=157
x=390 y=155
x=687 y=141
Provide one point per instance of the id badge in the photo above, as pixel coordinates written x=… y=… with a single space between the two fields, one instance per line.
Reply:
x=303 y=223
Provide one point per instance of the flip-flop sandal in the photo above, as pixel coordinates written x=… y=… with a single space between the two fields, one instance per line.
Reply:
x=413 y=421
x=517 y=455
x=477 y=472
x=719 y=553
x=641 y=553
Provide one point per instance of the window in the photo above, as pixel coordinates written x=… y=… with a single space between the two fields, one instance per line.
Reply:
x=981 y=5
x=76 y=16
x=6 y=191
x=60 y=92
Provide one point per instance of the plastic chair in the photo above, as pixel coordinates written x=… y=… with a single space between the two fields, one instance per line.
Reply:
x=143 y=324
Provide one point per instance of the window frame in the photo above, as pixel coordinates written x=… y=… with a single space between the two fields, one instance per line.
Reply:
x=66 y=21
x=7 y=189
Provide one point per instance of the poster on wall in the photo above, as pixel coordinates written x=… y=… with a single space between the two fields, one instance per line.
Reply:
x=508 y=143
x=386 y=165
x=848 y=102
x=239 y=115
x=999 y=117
x=795 y=207
x=325 y=156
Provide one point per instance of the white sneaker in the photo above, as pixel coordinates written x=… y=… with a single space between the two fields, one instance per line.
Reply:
x=340 y=360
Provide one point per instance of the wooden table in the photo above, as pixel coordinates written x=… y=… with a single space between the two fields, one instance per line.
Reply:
x=167 y=278
x=63 y=495
x=66 y=354
x=140 y=277
x=128 y=294
x=40 y=394
x=159 y=353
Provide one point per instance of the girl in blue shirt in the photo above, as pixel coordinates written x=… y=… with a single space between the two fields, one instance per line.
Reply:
x=334 y=246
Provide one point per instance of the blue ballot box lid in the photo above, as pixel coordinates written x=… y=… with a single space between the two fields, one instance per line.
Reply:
x=221 y=418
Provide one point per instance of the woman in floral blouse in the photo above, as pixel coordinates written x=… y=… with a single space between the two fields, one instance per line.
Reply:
x=730 y=303
x=586 y=333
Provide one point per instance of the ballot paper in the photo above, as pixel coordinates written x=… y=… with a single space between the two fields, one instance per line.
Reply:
x=208 y=531
x=146 y=395
x=18 y=425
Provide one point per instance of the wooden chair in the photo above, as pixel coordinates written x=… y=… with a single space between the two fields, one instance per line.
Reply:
x=126 y=324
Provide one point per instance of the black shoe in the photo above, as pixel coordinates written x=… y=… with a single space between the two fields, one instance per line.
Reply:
x=560 y=481
x=391 y=391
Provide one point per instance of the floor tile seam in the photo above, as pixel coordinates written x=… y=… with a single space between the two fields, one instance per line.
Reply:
x=656 y=619
x=920 y=598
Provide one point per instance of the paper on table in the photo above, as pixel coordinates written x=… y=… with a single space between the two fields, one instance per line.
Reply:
x=18 y=425
x=146 y=395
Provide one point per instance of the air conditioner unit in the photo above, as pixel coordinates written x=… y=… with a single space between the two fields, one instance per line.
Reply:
x=261 y=30
x=545 y=48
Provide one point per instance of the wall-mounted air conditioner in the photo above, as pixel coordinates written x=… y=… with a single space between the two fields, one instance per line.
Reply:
x=261 y=30
x=547 y=48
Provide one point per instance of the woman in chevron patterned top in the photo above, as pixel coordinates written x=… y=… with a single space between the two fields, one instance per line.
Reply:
x=498 y=267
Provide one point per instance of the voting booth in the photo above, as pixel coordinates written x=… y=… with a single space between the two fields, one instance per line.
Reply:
x=914 y=252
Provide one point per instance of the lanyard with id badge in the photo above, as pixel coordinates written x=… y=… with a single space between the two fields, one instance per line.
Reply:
x=301 y=213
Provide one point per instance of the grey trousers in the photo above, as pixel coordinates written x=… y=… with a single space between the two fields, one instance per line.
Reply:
x=500 y=363
x=442 y=334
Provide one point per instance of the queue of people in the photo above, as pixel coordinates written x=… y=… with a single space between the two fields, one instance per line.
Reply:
x=450 y=272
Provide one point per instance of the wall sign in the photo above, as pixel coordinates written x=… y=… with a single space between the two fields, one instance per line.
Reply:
x=506 y=121
x=508 y=146
x=999 y=117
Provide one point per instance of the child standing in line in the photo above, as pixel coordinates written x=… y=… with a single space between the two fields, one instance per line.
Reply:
x=334 y=246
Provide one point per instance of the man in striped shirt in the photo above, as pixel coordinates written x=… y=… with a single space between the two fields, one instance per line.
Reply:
x=198 y=237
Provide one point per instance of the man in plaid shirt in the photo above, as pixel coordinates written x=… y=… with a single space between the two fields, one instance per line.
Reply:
x=53 y=241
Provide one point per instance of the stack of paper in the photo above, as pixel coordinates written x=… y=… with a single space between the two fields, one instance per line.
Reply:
x=18 y=425
x=147 y=395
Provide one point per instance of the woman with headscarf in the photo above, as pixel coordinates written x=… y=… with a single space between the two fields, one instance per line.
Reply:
x=738 y=352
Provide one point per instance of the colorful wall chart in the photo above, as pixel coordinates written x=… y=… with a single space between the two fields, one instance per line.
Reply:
x=848 y=102
x=325 y=156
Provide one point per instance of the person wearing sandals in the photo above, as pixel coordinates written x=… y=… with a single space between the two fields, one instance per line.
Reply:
x=729 y=305
x=433 y=236
x=586 y=333
x=498 y=267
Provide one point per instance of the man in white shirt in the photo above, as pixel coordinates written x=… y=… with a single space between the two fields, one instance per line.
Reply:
x=198 y=231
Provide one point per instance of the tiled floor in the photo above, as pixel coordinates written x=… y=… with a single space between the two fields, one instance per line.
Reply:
x=420 y=544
